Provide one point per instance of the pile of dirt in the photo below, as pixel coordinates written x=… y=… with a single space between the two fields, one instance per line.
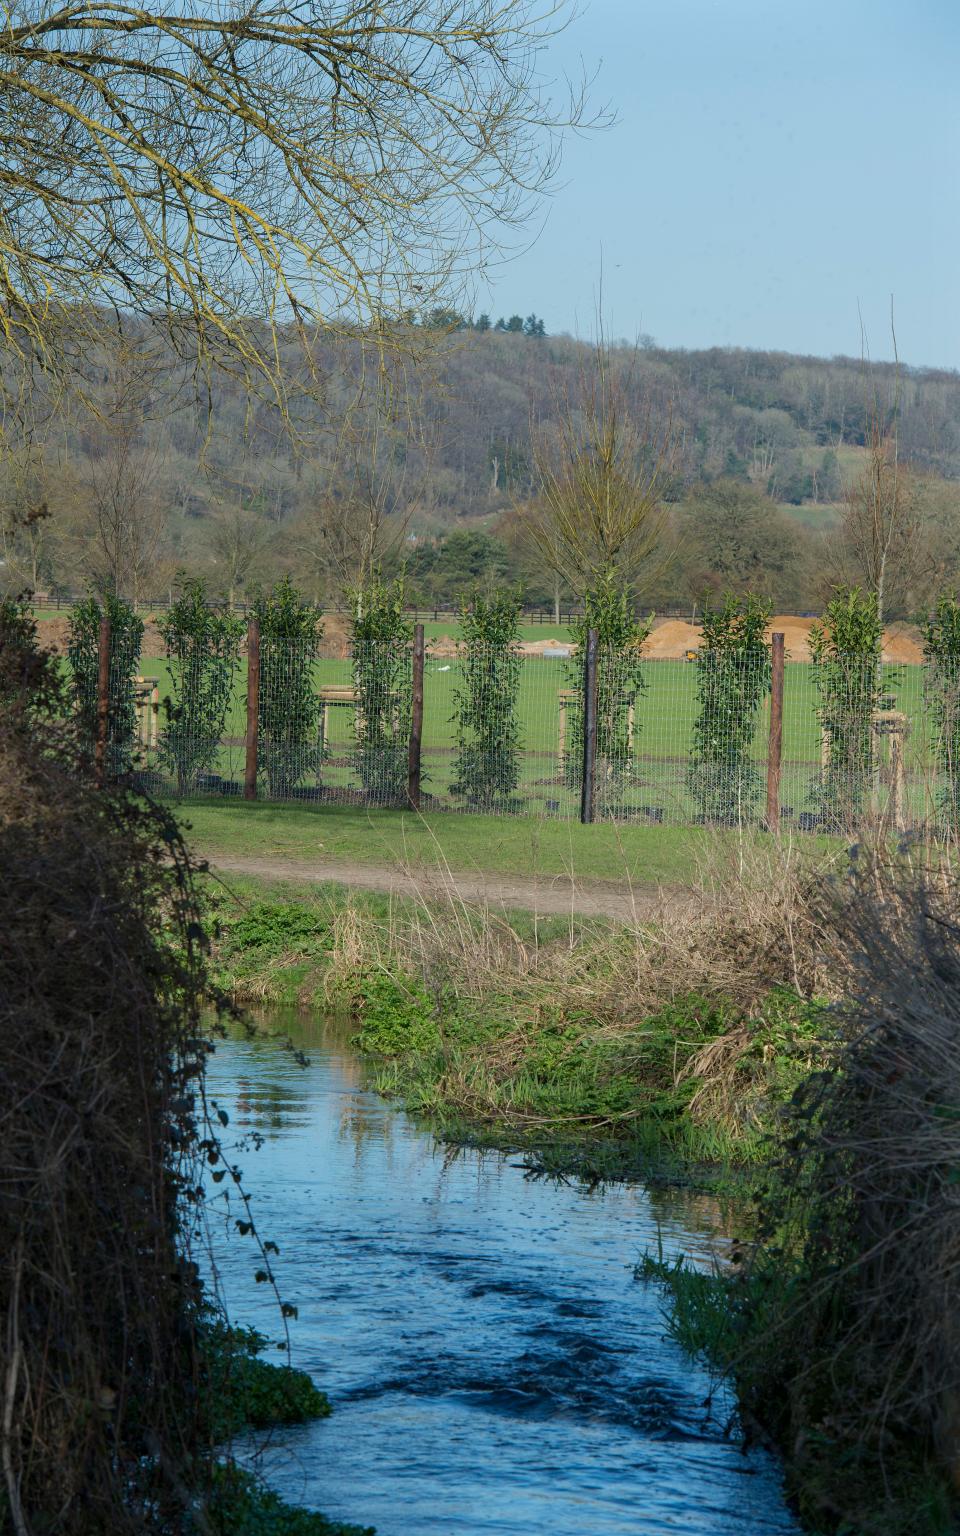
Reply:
x=443 y=645
x=670 y=639
x=901 y=642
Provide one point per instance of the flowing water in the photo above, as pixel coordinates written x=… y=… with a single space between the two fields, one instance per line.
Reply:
x=492 y=1363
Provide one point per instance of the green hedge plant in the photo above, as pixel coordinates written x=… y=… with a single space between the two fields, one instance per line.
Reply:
x=941 y=650
x=487 y=769
x=203 y=653
x=383 y=680
x=83 y=654
x=289 y=718
x=733 y=679
x=846 y=646
x=621 y=636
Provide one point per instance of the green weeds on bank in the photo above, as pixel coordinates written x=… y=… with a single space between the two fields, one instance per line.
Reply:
x=503 y=1044
x=240 y=1505
x=239 y=1390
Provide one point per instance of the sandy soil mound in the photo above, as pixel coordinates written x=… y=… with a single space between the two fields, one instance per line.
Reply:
x=671 y=639
x=901 y=642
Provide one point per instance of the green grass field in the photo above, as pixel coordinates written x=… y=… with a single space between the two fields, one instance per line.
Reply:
x=664 y=720
x=515 y=845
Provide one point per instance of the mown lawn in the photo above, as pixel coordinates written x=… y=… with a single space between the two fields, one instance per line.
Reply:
x=516 y=845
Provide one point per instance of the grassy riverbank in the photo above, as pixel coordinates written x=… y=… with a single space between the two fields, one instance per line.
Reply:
x=606 y=1050
x=507 y=845
x=837 y=1323
x=591 y=1045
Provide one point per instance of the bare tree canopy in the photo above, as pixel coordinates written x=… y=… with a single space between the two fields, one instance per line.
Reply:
x=602 y=470
x=331 y=163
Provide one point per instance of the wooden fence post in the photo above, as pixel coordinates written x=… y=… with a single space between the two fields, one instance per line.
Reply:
x=103 y=705
x=589 y=727
x=253 y=709
x=775 y=748
x=416 y=721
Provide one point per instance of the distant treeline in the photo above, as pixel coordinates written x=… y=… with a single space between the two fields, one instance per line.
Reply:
x=427 y=466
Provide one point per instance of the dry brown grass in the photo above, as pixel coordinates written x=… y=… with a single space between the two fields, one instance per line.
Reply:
x=758 y=917
x=851 y=1350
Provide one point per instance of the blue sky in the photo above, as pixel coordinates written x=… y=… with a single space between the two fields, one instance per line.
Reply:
x=773 y=166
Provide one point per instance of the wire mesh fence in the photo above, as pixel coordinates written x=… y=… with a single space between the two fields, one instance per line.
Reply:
x=676 y=742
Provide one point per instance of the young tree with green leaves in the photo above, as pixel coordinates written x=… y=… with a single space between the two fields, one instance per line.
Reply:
x=289 y=719
x=733 y=679
x=383 y=681
x=487 y=767
x=941 y=650
x=846 y=645
x=83 y=654
x=621 y=636
x=203 y=652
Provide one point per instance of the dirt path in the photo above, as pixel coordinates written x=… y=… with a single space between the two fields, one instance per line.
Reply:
x=559 y=895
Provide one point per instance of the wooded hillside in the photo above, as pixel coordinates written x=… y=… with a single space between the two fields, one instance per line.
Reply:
x=424 y=464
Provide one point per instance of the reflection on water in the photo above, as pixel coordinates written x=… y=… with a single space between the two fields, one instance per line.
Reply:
x=492 y=1364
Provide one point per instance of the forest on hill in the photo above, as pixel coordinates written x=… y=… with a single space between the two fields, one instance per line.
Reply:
x=427 y=463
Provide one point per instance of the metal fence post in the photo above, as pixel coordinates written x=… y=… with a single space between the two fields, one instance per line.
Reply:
x=103 y=705
x=253 y=709
x=775 y=748
x=589 y=727
x=416 y=721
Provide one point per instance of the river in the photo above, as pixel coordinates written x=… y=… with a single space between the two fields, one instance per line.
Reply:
x=492 y=1363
